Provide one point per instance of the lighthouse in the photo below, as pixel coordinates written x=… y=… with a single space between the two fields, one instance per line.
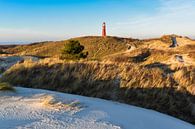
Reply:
x=104 y=29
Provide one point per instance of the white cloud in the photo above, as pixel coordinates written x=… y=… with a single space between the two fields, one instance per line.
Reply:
x=173 y=16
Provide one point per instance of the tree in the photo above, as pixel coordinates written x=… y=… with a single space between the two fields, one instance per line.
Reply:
x=73 y=50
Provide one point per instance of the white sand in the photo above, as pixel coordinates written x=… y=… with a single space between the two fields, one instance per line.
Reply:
x=40 y=109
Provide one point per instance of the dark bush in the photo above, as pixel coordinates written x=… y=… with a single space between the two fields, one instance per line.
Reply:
x=73 y=50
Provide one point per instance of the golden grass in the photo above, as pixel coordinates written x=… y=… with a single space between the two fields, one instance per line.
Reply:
x=146 y=76
x=141 y=56
x=97 y=47
x=152 y=75
x=152 y=86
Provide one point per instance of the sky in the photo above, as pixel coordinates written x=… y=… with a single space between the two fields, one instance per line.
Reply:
x=43 y=20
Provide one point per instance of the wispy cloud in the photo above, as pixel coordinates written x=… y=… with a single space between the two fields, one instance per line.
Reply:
x=173 y=16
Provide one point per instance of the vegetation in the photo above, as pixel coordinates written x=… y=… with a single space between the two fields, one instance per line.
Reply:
x=141 y=57
x=167 y=38
x=6 y=87
x=97 y=47
x=73 y=50
x=149 y=87
x=148 y=75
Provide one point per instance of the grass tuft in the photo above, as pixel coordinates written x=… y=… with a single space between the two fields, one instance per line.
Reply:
x=6 y=87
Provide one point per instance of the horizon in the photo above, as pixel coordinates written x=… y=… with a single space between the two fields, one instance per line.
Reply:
x=52 y=20
x=30 y=42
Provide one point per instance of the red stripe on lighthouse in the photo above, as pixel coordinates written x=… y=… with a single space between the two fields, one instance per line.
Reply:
x=104 y=30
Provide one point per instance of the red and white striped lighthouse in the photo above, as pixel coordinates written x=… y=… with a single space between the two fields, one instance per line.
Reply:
x=104 y=29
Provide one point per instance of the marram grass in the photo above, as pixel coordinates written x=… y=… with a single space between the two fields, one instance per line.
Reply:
x=6 y=87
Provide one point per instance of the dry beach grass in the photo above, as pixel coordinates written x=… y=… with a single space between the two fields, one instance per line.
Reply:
x=150 y=74
x=149 y=87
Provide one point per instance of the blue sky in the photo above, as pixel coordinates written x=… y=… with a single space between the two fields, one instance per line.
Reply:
x=38 y=20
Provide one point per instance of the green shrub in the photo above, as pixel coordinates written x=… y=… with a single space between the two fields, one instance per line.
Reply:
x=73 y=50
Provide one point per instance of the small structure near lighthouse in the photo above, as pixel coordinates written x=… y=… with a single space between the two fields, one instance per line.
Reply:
x=104 y=29
x=174 y=42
